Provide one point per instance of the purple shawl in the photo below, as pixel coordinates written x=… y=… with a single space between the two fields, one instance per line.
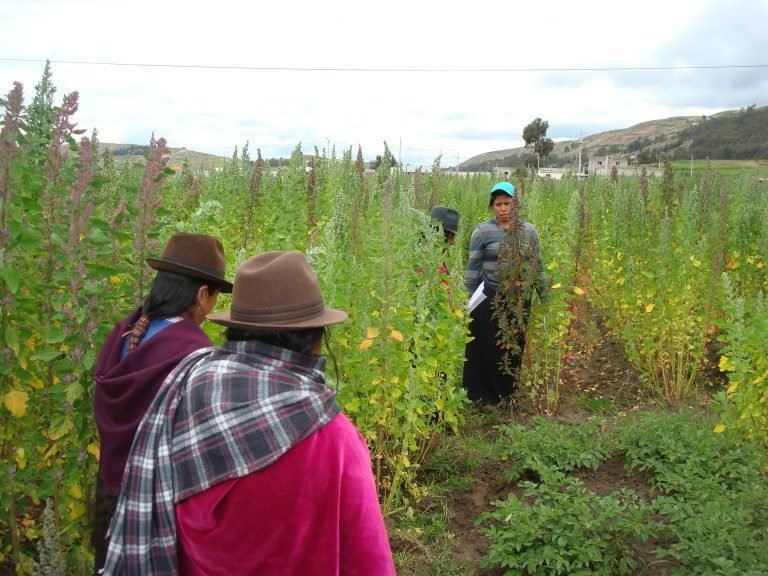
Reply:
x=124 y=390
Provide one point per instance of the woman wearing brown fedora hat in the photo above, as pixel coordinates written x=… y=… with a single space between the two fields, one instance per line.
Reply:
x=245 y=463
x=142 y=350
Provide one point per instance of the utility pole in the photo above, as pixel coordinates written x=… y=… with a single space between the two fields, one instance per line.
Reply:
x=579 y=172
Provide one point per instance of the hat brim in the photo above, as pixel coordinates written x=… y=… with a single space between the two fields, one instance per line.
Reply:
x=328 y=317
x=175 y=267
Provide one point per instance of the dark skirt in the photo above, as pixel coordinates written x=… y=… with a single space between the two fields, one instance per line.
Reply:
x=485 y=378
x=104 y=508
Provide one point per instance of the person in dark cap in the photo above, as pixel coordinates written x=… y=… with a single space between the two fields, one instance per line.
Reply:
x=500 y=248
x=446 y=219
x=143 y=349
x=449 y=221
x=245 y=463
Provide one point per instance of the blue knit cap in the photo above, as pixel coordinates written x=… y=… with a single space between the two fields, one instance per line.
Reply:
x=504 y=187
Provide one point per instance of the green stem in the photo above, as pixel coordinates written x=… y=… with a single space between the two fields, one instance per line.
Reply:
x=12 y=514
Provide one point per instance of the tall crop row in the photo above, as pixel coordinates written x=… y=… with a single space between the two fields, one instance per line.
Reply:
x=663 y=256
x=69 y=261
x=674 y=270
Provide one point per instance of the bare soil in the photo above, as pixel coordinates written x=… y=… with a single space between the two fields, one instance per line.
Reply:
x=600 y=372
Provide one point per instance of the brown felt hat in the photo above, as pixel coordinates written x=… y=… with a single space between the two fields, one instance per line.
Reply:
x=195 y=255
x=277 y=291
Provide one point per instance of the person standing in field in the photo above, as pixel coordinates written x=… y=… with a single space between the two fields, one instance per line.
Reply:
x=142 y=350
x=505 y=257
x=245 y=463
x=447 y=219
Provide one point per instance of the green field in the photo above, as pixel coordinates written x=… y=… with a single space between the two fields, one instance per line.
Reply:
x=672 y=270
x=732 y=168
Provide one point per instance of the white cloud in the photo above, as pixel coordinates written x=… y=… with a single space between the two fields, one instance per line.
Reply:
x=202 y=106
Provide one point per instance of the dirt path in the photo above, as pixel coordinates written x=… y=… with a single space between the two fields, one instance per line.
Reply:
x=601 y=374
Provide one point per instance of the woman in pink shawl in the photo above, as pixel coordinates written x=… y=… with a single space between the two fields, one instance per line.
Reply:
x=245 y=463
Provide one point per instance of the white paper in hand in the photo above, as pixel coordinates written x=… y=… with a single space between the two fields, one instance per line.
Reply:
x=476 y=298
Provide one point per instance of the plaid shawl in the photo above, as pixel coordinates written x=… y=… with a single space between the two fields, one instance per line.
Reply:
x=221 y=414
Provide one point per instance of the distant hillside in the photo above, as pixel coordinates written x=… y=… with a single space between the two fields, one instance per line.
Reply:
x=731 y=135
x=123 y=153
x=136 y=152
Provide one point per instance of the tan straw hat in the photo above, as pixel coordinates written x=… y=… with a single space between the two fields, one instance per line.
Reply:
x=195 y=255
x=277 y=291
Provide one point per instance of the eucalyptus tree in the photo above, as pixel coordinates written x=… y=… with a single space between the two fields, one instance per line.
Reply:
x=535 y=135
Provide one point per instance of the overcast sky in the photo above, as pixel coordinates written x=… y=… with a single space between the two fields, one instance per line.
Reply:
x=428 y=77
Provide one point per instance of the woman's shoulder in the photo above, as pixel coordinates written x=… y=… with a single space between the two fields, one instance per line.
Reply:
x=529 y=228
x=490 y=225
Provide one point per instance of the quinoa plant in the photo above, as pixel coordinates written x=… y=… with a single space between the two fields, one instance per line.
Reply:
x=63 y=278
x=183 y=195
x=312 y=204
x=358 y=200
x=343 y=194
x=547 y=335
x=254 y=191
x=517 y=274
x=41 y=112
x=12 y=287
x=50 y=560
x=436 y=189
x=383 y=172
x=148 y=201
x=668 y=199
x=41 y=388
x=401 y=352
x=289 y=205
x=744 y=358
x=653 y=287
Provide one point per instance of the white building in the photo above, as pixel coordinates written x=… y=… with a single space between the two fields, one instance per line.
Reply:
x=605 y=165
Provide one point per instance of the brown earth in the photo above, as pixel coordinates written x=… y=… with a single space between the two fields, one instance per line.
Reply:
x=602 y=372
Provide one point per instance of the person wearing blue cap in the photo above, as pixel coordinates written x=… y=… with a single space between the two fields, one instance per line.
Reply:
x=505 y=264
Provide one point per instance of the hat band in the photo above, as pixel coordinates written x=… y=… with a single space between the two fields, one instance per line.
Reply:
x=200 y=267
x=277 y=314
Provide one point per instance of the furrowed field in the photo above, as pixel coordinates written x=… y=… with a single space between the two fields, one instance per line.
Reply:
x=671 y=272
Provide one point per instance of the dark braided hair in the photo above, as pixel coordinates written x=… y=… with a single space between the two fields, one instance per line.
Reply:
x=170 y=295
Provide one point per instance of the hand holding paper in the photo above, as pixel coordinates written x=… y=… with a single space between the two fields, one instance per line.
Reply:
x=477 y=297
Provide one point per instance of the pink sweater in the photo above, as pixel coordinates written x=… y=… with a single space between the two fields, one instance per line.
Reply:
x=314 y=512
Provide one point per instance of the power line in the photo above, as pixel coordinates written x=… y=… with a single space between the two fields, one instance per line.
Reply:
x=390 y=70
